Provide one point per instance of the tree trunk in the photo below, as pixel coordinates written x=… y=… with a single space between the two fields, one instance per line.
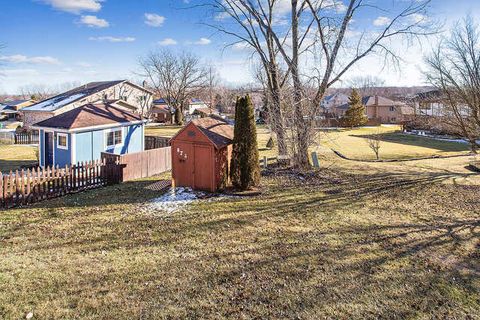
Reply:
x=302 y=126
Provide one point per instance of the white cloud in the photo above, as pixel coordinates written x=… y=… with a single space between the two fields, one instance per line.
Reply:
x=381 y=21
x=18 y=58
x=112 y=39
x=240 y=46
x=203 y=41
x=94 y=22
x=75 y=6
x=419 y=18
x=154 y=20
x=20 y=73
x=167 y=42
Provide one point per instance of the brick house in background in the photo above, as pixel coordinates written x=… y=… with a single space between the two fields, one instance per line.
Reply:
x=119 y=93
x=382 y=109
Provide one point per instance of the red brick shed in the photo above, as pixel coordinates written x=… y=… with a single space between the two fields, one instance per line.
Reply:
x=201 y=154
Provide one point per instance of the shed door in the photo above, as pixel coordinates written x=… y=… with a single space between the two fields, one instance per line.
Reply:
x=203 y=171
x=48 y=148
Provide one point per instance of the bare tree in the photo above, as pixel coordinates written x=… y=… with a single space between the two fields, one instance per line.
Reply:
x=374 y=142
x=310 y=40
x=367 y=85
x=37 y=92
x=455 y=70
x=176 y=77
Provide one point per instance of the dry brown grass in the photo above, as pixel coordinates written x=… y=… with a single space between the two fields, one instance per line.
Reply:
x=350 y=242
x=12 y=157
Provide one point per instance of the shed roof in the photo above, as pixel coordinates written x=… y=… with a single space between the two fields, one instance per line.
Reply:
x=216 y=130
x=90 y=115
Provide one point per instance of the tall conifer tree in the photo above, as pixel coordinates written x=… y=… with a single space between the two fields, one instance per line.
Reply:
x=355 y=115
x=245 y=167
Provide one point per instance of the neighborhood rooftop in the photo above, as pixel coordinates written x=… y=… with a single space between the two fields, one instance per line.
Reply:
x=90 y=115
x=371 y=101
x=75 y=94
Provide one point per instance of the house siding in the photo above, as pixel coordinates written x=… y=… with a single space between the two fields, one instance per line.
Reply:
x=62 y=156
x=90 y=145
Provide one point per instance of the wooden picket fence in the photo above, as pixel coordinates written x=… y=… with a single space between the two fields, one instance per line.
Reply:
x=155 y=142
x=31 y=186
x=27 y=138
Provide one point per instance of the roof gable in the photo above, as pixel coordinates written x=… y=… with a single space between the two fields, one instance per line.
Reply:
x=219 y=132
x=90 y=115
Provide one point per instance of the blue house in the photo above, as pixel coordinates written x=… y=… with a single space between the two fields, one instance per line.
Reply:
x=82 y=134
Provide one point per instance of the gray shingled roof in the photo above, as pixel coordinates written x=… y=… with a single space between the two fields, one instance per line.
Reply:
x=89 y=115
x=59 y=101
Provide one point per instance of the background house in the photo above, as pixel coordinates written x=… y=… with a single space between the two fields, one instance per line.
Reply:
x=9 y=110
x=130 y=94
x=82 y=134
x=162 y=111
x=195 y=103
x=382 y=109
x=330 y=102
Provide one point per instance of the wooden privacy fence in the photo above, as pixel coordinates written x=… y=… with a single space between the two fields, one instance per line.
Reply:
x=141 y=164
x=30 y=186
x=26 y=138
x=154 y=142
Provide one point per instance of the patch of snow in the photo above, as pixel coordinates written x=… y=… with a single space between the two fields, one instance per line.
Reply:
x=176 y=199
x=53 y=104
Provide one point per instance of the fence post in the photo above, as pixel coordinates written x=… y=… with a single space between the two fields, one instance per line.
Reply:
x=315 y=161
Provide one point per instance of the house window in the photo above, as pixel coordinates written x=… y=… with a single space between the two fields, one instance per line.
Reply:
x=114 y=137
x=62 y=141
x=392 y=108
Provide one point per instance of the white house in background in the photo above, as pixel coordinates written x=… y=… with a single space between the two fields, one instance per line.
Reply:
x=329 y=103
x=119 y=93
x=195 y=104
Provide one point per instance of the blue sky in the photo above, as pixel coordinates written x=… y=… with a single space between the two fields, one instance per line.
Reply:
x=56 y=41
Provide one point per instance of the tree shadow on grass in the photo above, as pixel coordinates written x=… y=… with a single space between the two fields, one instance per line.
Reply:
x=425 y=142
x=240 y=256
x=7 y=165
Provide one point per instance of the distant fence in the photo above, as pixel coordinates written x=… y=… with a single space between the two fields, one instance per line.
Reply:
x=334 y=122
x=7 y=137
x=26 y=138
x=141 y=164
x=30 y=186
x=12 y=137
x=153 y=142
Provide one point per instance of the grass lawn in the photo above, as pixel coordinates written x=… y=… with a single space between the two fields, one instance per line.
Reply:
x=338 y=243
x=14 y=156
x=352 y=240
x=395 y=145
x=353 y=143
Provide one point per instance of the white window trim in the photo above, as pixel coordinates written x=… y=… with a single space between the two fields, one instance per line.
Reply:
x=105 y=137
x=58 y=141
